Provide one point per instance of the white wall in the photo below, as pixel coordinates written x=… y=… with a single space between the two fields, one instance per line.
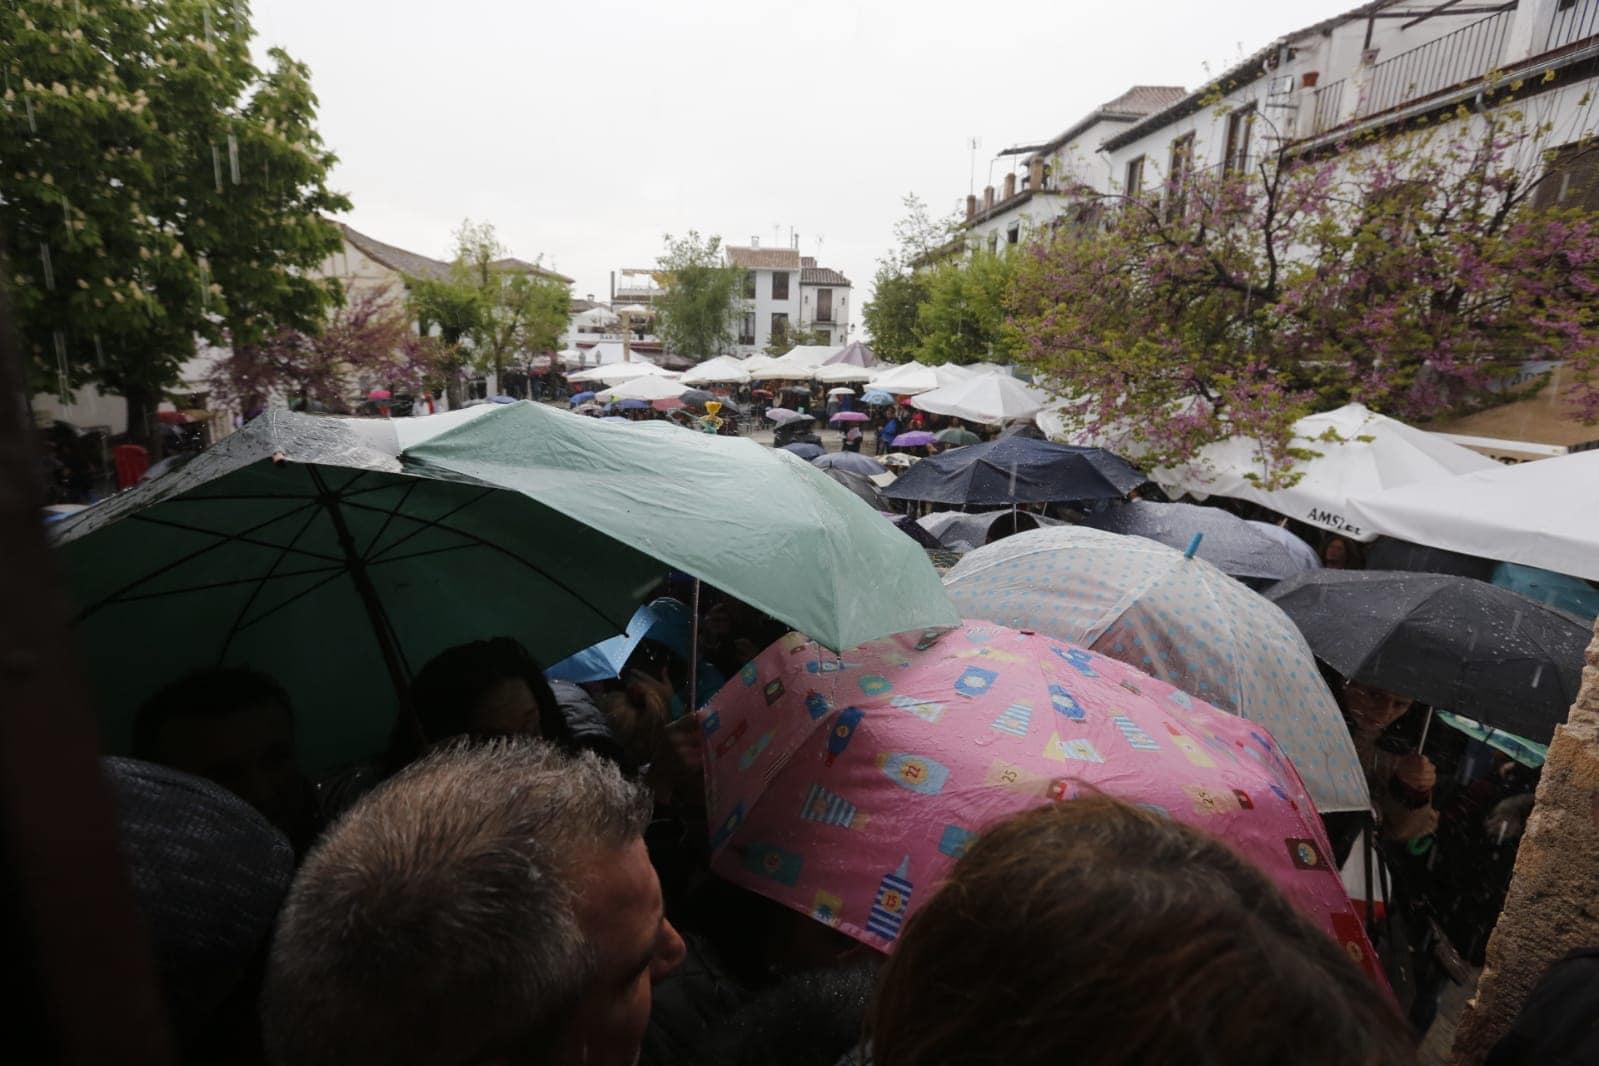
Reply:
x=764 y=307
x=838 y=328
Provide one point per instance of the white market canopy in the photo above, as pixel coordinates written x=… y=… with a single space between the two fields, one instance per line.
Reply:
x=908 y=379
x=1543 y=513
x=838 y=373
x=723 y=370
x=1374 y=453
x=799 y=363
x=991 y=399
x=645 y=387
x=616 y=373
x=596 y=316
x=570 y=357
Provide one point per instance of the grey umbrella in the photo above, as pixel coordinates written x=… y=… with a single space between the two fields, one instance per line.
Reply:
x=859 y=484
x=1235 y=547
x=1451 y=642
x=854 y=462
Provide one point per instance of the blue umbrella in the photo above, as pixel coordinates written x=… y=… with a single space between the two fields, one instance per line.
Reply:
x=665 y=621
x=634 y=405
x=854 y=462
x=616 y=418
x=1560 y=591
x=1015 y=470
x=582 y=397
x=804 y=450
x=1235 y=547
x=502 y=398
x=878 y=398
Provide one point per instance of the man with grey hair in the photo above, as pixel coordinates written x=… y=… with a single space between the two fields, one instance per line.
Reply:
x=493 y=903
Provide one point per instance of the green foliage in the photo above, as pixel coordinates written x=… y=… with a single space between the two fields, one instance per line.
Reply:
x=964 y=317
x=900 y=287
x=788 y=337
x=156 y=187
x=700 y=294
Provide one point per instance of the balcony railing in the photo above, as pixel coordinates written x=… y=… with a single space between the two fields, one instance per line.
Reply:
x=1327 y=110
x=1572 y=24
x=824 y=316
x=1453 y=59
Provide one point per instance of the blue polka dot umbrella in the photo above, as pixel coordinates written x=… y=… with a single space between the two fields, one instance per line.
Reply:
x=1177 y=618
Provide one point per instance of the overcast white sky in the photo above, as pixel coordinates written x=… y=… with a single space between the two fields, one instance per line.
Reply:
x=586 y=131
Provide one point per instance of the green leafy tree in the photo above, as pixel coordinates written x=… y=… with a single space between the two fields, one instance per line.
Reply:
x=157 y=188
x=700 y=294
x=900 y=288
x=963 y=319
x=788 y=336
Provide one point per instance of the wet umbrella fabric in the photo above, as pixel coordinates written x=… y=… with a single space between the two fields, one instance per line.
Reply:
x=958 y=437
x=1017 y=470
x=916 y=438
x=782 y=416
x=851 y=416
x=860 y=485
x=582 y=397
x=845 y=789
x=854 y=462
x=1179 y=619
x=1452 y=642
x=302 y=546
x=1235 y=547
x=878 y=398
x=805 y=450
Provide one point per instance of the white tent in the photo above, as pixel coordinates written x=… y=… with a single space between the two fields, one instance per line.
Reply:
x=756 y=365
x=596 y=316
x=991 y=399
x=723 y=370
x=1372 y=453
x=798 y=364
x=570 y=357
x=616 y=373
x=646 y=387
x=838 y=373
x=908 y=379
x=1542 y=513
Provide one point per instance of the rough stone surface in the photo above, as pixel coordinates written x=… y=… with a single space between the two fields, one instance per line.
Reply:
x=1553 y=904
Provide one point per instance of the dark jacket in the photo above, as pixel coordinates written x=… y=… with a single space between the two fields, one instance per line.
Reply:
x=1559 y=1023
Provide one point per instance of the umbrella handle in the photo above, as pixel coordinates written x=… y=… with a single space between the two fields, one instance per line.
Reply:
x=1193 y=545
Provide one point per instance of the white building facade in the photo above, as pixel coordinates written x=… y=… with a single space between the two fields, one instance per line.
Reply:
x=784 y=290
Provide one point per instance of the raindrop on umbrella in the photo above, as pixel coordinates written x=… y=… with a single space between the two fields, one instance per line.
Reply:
x=1537 y=675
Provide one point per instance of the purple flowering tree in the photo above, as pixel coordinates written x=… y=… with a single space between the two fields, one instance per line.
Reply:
x=1413 y=274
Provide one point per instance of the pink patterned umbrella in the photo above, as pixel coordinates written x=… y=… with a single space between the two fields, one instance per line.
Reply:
x=846 y=788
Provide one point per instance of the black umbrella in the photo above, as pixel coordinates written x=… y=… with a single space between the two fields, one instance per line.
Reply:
x=805 y=449
x=1017 y=470
x=1235 y=547
x=860 y=485
x=1450 y=642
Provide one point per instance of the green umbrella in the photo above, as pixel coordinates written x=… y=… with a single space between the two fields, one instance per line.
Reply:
x=758 y=523
x=302 y=547
x=1528 y=753
x=957 y=436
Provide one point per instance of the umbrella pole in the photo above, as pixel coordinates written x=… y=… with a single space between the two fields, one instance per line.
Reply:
x=399 y=676
x=694 y=653
x=1425 y=727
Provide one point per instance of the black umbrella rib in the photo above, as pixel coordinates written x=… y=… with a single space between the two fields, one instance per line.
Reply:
x=281 y=605
x=253 y=542
x=189 y=557
x=211 y=585
x=377 y=538
x=438 y=523
x=423 y=524
x=255 y=594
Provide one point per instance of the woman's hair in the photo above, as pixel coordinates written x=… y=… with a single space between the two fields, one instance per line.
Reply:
x=1097 y=933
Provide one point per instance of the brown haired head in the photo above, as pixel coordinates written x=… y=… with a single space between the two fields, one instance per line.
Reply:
x=1097 y=933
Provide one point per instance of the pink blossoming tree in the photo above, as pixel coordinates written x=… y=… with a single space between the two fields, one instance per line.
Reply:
x=1414 y=274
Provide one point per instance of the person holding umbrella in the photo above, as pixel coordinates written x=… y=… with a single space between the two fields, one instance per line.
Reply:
x=1401 y=783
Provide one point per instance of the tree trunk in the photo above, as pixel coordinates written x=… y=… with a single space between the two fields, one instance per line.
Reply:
x=142 y=424
x=452 y=389
x=1553 y=904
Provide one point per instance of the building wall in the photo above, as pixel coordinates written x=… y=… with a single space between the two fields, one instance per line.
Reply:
x=764 y=306
x=838 y=328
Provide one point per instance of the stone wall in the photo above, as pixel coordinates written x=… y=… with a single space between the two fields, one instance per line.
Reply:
x=1553 y=904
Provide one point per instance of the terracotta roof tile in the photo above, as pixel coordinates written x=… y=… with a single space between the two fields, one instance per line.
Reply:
x=822 y=276
x=763 y=258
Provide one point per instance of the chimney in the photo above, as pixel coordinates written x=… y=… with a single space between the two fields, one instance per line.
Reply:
x=1010 y=185
x=794 y=241
x=1035 y=174
x=971 y=207
x=755 y=242
x=988 y=197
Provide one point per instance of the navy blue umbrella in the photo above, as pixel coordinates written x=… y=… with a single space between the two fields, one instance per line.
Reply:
x=854 y=462
x=805 y=450
x=1017 y=470
x=1235 y=547
x=582 y=397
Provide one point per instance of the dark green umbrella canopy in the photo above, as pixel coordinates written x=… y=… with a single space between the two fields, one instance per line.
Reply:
x=300 y=546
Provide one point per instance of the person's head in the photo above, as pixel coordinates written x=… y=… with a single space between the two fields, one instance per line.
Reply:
x=1098 y=933
x=1372 y=709
x=232 y=726
x=489 y=688
x=1009 y=524
x=208 y=873
x=493 y=903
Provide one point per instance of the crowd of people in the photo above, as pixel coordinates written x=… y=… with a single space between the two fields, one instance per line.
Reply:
x=522 y=876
